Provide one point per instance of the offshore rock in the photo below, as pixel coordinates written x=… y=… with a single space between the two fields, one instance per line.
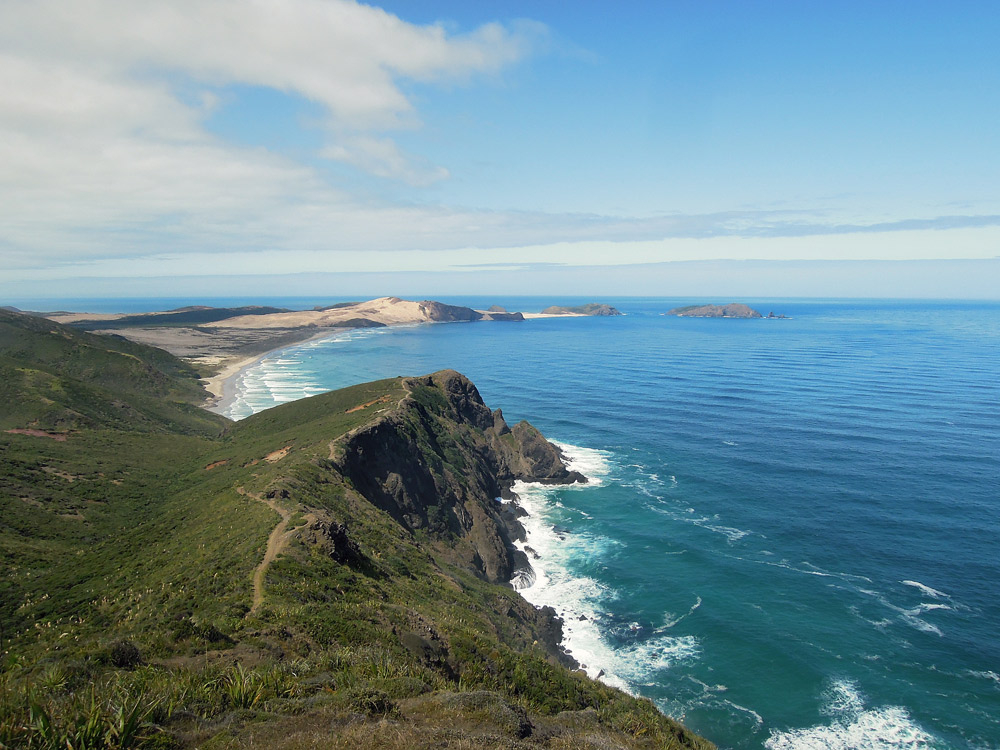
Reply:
x=592 y=308
x=732 y=310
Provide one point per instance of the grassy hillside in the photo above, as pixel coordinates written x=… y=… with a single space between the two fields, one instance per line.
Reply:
x=171 y=579
x=58 y=379
x=183 y=317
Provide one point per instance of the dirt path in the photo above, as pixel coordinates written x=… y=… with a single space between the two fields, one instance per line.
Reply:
x=280 y=536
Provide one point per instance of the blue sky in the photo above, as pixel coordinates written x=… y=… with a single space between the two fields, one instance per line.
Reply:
x=440 y=147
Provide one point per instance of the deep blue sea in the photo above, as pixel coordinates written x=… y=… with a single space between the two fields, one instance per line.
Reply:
x=792 y=539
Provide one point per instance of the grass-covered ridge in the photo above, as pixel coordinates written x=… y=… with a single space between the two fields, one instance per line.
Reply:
x=176 y=580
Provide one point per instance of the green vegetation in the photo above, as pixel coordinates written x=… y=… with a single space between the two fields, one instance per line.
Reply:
x=184 y=317
x=133 y=525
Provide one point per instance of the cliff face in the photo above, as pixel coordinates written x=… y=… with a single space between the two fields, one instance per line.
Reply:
x=440 y=461
x=442 y=313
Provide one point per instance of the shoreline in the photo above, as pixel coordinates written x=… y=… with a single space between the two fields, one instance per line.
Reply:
x=221 y=386
x=553 y=584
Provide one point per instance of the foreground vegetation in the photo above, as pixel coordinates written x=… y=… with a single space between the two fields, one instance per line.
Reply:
x=133 y=526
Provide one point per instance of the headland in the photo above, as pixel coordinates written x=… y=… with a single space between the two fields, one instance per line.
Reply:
x=332 y=571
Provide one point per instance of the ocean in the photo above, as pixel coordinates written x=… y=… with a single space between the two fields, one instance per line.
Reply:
x=790 y=537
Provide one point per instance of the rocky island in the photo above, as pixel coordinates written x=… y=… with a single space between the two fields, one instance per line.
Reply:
x=593 y=308
x=731 y=310
x=330 y=572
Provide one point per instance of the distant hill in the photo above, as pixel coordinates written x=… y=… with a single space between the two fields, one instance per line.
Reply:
x=181 y=317
x=330 y=572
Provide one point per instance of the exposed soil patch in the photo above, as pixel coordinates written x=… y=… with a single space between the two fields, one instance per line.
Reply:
x=61 y=474
x=278 y=454
x=380 y=400
x=59 y=436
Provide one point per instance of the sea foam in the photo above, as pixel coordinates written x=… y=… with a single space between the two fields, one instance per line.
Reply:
x=854 y=727
x=285 y=375
x=577 y=599
x=925 y=589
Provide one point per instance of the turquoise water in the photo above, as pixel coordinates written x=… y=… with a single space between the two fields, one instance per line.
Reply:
x=791 y=539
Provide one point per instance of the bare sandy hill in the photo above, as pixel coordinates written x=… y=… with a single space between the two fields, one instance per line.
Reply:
x=386 y=310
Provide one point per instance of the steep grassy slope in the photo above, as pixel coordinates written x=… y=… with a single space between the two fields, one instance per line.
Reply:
x=58 y=379
x=328 y=572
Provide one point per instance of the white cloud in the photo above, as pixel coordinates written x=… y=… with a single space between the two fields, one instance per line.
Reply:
x=382 y=157
x=341 y=54
x=104 y=165
x=101 y=157
x=969 y=244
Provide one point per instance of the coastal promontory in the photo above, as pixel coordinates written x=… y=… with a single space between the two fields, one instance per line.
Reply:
x=331 y=572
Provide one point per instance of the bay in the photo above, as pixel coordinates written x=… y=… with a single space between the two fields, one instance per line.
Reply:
x=791 y=536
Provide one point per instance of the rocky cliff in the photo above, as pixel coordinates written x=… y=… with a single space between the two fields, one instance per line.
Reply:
x=441 y=460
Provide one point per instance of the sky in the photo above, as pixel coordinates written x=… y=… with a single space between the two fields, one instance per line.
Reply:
x=214 y=147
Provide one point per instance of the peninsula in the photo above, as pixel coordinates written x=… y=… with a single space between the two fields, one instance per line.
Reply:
x=330 y=572
x=221 y=341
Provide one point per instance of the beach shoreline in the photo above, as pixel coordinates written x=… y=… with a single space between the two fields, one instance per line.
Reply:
x=221 y=386
x=228 y=341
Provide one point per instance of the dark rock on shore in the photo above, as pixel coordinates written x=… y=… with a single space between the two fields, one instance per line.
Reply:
x=440 y=312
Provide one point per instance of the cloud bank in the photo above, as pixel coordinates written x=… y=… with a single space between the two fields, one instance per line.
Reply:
x=109 y=167
x=105 y=153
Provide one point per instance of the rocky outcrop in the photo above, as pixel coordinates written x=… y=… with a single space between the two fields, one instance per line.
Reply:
x=333 y=539
x=441 y=460
x=508 y=316
x=440 y=312
x=732 y=310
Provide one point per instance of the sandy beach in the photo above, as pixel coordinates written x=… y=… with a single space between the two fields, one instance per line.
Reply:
x=222 y=385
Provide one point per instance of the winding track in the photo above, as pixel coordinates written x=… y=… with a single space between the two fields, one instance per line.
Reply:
x=280 y=536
